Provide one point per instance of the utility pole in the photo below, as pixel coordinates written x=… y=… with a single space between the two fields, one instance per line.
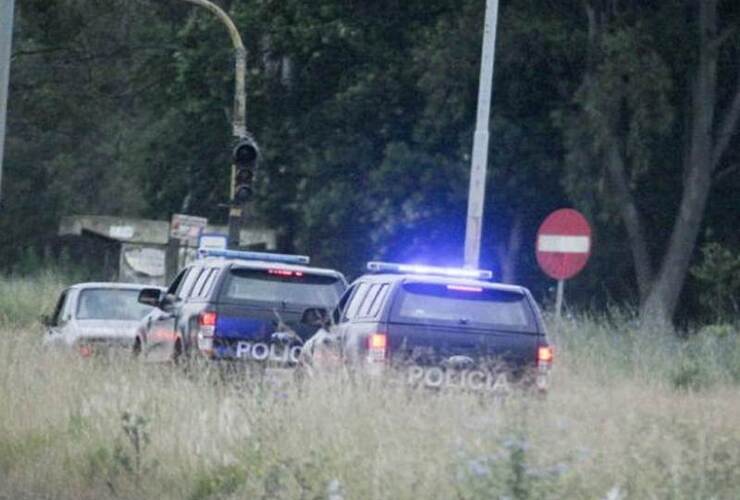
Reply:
x=239 y=119
x=6 y=39
x=479 y=163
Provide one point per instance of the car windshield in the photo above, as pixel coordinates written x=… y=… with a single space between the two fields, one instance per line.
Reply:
x=464 y=305
x=110 y=303
x=282 y=286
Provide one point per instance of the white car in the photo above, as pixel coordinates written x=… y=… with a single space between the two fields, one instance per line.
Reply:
x=92 y=317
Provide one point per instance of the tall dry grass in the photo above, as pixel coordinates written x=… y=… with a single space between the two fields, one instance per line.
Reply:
x=627 y=417
x=23 y=299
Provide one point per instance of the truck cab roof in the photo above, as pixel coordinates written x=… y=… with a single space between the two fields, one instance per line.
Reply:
x=265 y=265
x=105 y=284
x=442 y=280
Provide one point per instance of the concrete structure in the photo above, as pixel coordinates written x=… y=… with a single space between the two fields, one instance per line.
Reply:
x=134 y=250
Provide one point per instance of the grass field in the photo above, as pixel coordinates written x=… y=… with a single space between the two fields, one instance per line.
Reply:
x=629 y=415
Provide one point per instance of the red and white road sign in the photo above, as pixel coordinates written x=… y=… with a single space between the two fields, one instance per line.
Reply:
x=563 y=243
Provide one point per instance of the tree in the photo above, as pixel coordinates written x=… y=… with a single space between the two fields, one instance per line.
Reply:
x=74 y=116
x=710 y=132
x=635 y=112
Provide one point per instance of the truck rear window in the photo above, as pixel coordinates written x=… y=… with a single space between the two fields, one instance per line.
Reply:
x=464 y=305
x=281 y=286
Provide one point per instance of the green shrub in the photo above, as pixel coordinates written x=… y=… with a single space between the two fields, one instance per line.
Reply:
x=719 y=276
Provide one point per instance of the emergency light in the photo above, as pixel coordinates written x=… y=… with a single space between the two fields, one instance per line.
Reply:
x=453 y=272
x=263 y=256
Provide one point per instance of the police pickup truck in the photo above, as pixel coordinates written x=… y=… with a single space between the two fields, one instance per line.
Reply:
x=434 y=326
x=233 y=305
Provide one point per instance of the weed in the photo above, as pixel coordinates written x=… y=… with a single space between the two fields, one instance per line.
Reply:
x=627 y=416
x=218 y=482
x=134 y=428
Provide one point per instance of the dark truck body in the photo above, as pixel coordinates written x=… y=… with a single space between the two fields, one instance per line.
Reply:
x=232 y=309
x=437 y=329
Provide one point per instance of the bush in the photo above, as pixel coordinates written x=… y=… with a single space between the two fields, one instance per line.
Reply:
x=719 y=276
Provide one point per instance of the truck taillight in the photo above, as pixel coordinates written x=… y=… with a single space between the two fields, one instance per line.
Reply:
x=208 y=319
x=544 y=355
x=206 y=331
x=377 y=348
x=544 y=362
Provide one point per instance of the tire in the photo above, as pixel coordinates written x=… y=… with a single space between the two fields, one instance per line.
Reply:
x=177 y=354
x=136 y=351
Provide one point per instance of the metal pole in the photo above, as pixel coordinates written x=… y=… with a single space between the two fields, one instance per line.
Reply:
x=477 y=191
x=171 y=259
x=239 y=120
x=6 y=39
x=240 y=92
x=233 y=239
x=559 y=299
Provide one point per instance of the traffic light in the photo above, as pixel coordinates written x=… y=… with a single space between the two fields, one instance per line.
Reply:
x=244 y=157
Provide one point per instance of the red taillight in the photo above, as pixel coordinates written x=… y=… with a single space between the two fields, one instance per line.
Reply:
x=377 y=347
x=377 y=341
x=207 y=330
x=284 y=272
x=207 y=319
x=544 y=355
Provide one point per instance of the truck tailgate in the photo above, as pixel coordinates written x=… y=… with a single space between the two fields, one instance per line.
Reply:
x=447 y=346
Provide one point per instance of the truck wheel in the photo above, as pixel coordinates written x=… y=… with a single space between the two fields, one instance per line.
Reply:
x=136 y=351
x=177 y=352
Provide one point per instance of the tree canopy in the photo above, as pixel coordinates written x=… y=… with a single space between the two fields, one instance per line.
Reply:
x=365 y=114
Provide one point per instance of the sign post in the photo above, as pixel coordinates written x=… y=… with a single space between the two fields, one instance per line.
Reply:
x=563 y=248
x=559 y=298
x=185 y=231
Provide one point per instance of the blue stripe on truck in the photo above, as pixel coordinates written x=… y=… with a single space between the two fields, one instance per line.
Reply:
x=231 y=327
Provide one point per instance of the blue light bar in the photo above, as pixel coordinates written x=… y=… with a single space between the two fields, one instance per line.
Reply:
x=263 y=256
x=453 y=272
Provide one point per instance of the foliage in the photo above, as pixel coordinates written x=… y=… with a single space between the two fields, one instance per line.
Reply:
x=719 y=276
x=365 y=115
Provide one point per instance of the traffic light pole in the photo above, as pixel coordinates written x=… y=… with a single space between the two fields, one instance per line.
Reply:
x=477 y=191
x=239 y=119
x=6 y=39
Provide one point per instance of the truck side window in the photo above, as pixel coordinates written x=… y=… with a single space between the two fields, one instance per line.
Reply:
x=367 y=302
x=188 y=284
x=374 y=308
x=356 y=301
x=214 y=282
x=172 y=289
x=338 y=312
x=198 y=287
x=208 y=283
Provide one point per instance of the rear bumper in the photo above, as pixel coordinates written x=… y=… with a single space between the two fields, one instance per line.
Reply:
x=475 y=380
x=254 y=351
x=96 y=347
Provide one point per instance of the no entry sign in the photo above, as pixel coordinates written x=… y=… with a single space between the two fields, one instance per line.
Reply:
x=563 y=244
